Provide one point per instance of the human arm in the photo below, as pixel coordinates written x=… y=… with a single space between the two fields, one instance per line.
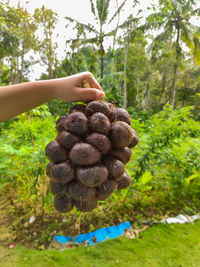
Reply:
x=18 y=98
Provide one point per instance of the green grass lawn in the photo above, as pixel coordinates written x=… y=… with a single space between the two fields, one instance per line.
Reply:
x=160 y=245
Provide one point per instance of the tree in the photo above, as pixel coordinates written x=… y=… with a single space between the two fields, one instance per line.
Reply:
x=28 y=39
x=100 y=13
x=173 y=18
x=47 y=18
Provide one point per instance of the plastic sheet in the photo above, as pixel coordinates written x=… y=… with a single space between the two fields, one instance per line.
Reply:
x=181 y=219
x=95 y=236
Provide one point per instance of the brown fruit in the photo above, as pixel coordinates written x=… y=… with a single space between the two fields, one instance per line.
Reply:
x=86 y=205
x=63 y=172
x=100 y=141
x=60 y=124
x=77 y=123
x=134 y=140
x=115 y=167
x=97 y=106
x=84 y=154
x=122 y=115
x=78 y=107
x=120 y=134
x=100 y=123
x=81 y=192
x=106 y=189
x=112 y=114
x=55 y=153
x=49 y=169
x=57 y=188
x=124 y=181
x=123 y=154
x=92 y=176
x=63 y=204
x=67 y=139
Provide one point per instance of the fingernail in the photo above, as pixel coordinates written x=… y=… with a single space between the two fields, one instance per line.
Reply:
x=100 y=94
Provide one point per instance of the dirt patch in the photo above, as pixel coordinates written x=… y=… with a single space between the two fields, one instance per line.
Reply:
x=6 y=222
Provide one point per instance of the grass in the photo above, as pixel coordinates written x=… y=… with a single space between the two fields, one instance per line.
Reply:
x=160 y=245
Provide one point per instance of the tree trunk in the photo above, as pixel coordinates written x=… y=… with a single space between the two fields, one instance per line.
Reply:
x=145 y=93
x=137 y=86
x=101 y=50
x=17 y=71
x=173 y=100
x=125 y=83
x=174 y=87
x=162 y=100
x=114 y=40
x=125 y=64
x=22 y=64
x=102 y=58
x=11 y=72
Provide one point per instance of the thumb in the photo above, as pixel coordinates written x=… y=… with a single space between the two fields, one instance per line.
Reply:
x=86 y=94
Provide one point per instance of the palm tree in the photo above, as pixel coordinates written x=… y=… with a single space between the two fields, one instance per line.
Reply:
x=173 y=18
x=100 y=13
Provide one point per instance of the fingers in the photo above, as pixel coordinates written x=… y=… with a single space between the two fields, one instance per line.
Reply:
x=91 y=80
x=87 y=94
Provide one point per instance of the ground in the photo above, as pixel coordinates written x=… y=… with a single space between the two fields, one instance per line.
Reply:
x=160 y=245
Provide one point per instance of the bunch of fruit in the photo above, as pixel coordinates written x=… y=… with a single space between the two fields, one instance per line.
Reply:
x=87 y=158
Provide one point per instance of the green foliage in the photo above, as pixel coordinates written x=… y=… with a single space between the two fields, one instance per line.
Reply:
x=23 y=159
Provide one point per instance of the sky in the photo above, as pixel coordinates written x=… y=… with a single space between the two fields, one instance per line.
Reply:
x=79 y=10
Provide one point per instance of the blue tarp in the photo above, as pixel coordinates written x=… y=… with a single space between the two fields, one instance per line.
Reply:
x=96 y=236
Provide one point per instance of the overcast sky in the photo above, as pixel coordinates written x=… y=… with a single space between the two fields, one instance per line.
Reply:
x=80 y=10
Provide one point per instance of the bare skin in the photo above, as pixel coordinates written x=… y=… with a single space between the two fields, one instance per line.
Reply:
x=19 y=98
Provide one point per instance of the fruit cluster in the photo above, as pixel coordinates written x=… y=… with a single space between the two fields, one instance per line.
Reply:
x=88 y=156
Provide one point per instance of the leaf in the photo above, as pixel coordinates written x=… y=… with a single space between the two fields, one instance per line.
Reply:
x=102 y=8
x=75 y=43
x=192 y=177
x=88 y=27
x=93 y=9
x=117 y=12
x=146 y=178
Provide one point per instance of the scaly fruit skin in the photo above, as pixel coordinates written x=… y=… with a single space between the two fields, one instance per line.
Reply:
x=67 y=139
x=63 y=172
x=98 y=106
x=122 y=115
x=120 y=134
x=78 y=191
x=106 y=189
x=55 y=152
x=135 y=139
x=63 y=204
x=92 y=176
x=79 y=107
x=77 y=123
x=83 y=154
x=86 y=206
x=124 y=181
x=60 y=124
x=100 y=141
x=115 y=167
x=88 y=156
x=57 y=188
x=99 y=123
x=123 y=154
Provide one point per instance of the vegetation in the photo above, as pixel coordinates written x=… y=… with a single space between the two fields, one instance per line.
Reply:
x=142 y=71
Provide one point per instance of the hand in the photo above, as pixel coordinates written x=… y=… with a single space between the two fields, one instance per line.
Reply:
x=70 y=89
